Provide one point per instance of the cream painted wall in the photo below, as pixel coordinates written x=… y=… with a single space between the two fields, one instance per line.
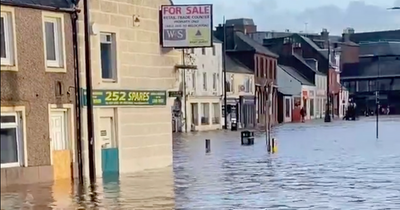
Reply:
x=208 y=64
x=238 y=80
x=144 y=133
x=309 y=89
x=321 y=95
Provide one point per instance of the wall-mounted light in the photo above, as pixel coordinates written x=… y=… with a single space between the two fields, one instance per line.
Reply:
x=94 y=29
x=136 y=20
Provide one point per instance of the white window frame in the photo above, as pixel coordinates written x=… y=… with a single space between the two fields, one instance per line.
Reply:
x=205 y=81
x=58 y=41
x=13 y=125
x=113 y=43
x=8 y=39
x=215 y=81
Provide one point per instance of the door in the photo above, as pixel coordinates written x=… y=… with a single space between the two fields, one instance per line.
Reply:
x=61 y=153
x=109 y=147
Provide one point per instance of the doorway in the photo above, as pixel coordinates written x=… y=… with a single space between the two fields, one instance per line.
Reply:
x=109 y=147
x=61 y=151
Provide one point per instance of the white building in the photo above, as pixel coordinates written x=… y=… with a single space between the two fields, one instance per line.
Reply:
x=204 y=89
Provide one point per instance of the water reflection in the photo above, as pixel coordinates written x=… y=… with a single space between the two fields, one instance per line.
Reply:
x=318 y=166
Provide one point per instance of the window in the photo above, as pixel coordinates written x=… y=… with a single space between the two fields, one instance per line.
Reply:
x=195 y=113
x=108 y=56
x=312 y=107
x=217 y=115
x=204 y=81
x=11 y=140
x=213 y=50
x=194 y=80
x=205 y=113
x=6 y=39
x=53 y=42
x=271 y=73
x=371 y=85
x=203 y=50
x=229 y=83
x=215 y=78
x=247 y=85
x=287 y=107
x=192 y=50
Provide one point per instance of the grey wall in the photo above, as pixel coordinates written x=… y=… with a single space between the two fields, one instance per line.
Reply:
x=287 y=83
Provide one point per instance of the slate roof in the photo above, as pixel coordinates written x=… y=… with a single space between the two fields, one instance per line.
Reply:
x=66 y=4
x=251 y=43
x=301 y=59
x=367 y=68
x=234 y=66
x=215 y=40
x=296 y=75
x=380 y=48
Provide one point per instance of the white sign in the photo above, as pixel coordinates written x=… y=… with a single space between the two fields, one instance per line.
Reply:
x=186 y=25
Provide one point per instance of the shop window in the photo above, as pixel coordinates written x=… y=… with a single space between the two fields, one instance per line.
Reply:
x=217 y=115
x=205 y=113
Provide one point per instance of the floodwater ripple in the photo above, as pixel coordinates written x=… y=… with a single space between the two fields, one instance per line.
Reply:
x=318 y=166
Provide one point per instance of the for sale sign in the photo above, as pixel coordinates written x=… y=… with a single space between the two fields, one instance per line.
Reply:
x=185 y=26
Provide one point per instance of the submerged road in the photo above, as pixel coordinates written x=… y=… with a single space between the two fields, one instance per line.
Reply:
x=340 y=165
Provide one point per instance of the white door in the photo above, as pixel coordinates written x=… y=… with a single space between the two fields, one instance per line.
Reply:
x=106 y=132
x=58 y=131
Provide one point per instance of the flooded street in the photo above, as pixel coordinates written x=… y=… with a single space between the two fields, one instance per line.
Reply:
x=339 y=165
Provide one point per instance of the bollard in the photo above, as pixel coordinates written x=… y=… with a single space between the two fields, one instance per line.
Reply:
x=208 y=146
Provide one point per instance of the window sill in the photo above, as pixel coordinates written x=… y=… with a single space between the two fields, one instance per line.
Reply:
x=108 y=80
x=6 y=67
x=56 y=69
x=10 y=165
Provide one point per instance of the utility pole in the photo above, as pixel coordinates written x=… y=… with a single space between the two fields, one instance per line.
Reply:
x=377 y=98
x=224 y=76
x=327 y=111
x=89 y=93
x=184 y=89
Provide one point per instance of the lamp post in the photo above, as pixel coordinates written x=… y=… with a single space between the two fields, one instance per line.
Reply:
x=377 y=98
x=327 y=111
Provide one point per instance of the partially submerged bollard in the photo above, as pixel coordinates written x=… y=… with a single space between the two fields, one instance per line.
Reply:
x=208 y=146
x=272 y=146
x=247 y=137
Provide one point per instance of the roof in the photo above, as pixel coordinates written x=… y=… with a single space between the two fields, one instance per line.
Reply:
x=234 y=66
x=296 y=75
x=240 y=21
x=375 y=36
x=301 y=59
x=372 y=68
x=380 y=48
x=55 y=4
x=215 y=40
x=253 y=44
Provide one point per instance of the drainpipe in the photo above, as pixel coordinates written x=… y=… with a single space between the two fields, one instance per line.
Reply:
x=78 y=98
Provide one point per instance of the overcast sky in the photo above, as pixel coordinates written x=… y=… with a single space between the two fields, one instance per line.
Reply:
x=310 y=15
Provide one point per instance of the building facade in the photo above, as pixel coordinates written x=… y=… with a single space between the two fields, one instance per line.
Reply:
x=37 y=85
x=131 y=75
x=240 y=88
x=204 y=89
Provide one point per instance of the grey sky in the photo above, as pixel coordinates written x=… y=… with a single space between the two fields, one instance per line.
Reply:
x=335 y=15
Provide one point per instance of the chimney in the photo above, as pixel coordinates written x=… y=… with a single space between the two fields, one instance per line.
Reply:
x=325 y=34
x=287 y=47
x=346 y=34
x=229 y=35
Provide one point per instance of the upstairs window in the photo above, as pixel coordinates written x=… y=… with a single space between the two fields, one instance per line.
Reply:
x=6 y=41
x=53 y=42
x=108 y=56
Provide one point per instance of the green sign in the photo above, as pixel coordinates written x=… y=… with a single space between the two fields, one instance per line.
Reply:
x=175 y=93
x=127 y=97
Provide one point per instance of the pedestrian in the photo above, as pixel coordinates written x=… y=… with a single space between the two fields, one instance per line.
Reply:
x=303 y=114
x=388 y=110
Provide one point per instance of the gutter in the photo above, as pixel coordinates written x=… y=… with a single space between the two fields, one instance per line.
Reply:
x=78 y=97
x=40 y=7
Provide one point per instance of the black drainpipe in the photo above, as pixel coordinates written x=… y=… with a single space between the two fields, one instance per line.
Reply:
x=78 y=98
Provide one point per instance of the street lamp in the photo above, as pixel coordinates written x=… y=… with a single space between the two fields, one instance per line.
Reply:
x=327 y=110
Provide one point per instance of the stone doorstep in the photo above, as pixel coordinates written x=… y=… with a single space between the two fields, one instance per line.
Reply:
x=26 y=175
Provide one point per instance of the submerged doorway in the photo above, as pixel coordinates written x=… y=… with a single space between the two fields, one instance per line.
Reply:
x=109 y=146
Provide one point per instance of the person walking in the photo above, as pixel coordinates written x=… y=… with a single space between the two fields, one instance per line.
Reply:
x=303 y=114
